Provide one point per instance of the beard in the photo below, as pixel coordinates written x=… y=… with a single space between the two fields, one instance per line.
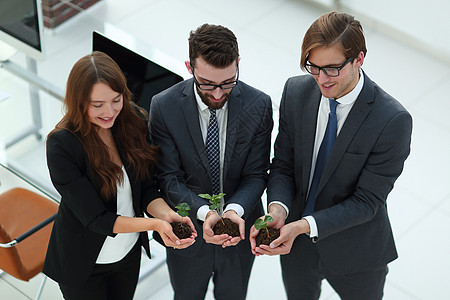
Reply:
x=206 y=99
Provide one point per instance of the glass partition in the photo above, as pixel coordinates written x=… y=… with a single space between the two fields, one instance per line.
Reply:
x=10 y=178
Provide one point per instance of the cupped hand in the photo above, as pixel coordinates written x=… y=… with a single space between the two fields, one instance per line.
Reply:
x=252 y=238
x=277 y=222
x=208 y=234
x=169 y=238
x=234 y=217
x=174 y=217
x=188 y=221
x=283 y=244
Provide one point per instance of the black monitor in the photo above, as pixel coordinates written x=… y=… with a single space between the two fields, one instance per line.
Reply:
x=21 y=27
x=145 y=78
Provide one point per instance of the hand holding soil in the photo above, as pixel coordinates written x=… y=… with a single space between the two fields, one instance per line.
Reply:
x=223 y=226
x=266 y=235
x=182 y=230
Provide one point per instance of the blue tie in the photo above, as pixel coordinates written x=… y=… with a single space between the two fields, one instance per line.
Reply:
x=213 y=151
x=322 y=156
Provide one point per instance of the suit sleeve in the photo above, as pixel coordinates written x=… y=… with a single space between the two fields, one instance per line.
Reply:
x=281 y=185
x=170 y=173
x=150 y=191
x=66 y=162
x=254 y=174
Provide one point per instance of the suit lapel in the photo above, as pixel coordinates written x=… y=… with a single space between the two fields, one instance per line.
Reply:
x=234 y=119
x=190 y=108
x=308 y=131
x=356 y=117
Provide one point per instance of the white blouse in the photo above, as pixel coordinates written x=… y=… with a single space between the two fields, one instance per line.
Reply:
x=116 y=248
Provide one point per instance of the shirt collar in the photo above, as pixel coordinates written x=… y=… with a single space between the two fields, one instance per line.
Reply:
x=353 y=94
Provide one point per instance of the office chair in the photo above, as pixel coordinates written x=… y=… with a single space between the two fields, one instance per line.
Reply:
x=25 y=229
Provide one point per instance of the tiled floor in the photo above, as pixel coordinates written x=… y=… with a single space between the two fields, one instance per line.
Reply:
x=269 y=34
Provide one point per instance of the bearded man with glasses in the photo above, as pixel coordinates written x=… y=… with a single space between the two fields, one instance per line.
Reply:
x=214 y=132
x=341 y=145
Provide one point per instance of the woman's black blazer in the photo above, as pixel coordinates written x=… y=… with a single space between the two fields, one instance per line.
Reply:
x=84 y=219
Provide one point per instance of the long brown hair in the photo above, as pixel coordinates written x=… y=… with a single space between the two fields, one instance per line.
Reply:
x=130 y=130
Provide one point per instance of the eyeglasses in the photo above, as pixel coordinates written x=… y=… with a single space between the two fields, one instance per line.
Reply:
x=212 y=87
x=329 y=71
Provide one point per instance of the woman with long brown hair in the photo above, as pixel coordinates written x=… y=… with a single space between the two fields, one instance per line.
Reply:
x=101 y=163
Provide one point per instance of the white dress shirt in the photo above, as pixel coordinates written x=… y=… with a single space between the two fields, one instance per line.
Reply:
x=222 y=118
x=343 y=109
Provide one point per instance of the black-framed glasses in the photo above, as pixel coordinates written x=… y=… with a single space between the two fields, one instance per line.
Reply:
x=212 y=87
x=329 y=71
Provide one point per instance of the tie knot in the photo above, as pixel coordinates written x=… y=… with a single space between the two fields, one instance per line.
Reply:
x=333 y=105
x=212 y=112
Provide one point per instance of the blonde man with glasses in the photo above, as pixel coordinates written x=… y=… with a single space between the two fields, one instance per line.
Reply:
x=341 y=145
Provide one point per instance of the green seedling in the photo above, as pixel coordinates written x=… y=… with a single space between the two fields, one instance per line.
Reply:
x=215 y=202
x=183 y=210
x=259 y=223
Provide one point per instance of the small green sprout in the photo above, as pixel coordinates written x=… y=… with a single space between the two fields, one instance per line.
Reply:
x=183 y=210
x=215 y=202
x=259 y=223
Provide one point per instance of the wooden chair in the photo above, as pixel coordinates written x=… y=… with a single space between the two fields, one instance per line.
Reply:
x=25 y=229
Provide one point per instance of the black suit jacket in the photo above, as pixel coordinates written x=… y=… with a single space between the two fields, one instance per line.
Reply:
x=354 y=233
x=183 y=165
x=84 y=219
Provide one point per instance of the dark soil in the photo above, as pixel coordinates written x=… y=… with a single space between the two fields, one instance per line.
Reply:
x=263 y=238
x=183 y=231
x=230 y=228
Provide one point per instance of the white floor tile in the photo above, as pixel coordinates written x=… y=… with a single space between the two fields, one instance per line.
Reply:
x=425 y=173
x=51 y=291
x=9 y=291
x=285 y=26
x=445 y=206
x=115 y=10
x=15 y=112
x=435 y=106
x=422 y=268
x=168 y=29
x=27 y=289
x=235 y=12
x=401 y=71
x=394 y=292
x=265 y=279
x=270 y=68
x=404 y=209
x=428 y=28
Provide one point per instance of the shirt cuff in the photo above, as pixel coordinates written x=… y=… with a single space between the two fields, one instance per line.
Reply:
x=236 y=207
x=313 y=232
x=282 y=205
x=202 y=212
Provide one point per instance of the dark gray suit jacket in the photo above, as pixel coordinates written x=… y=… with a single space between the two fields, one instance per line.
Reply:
x=183 y=164
x=366 y=159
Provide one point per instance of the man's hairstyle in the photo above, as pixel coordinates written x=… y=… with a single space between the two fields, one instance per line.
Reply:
x=216 y=44
x=334 y=29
